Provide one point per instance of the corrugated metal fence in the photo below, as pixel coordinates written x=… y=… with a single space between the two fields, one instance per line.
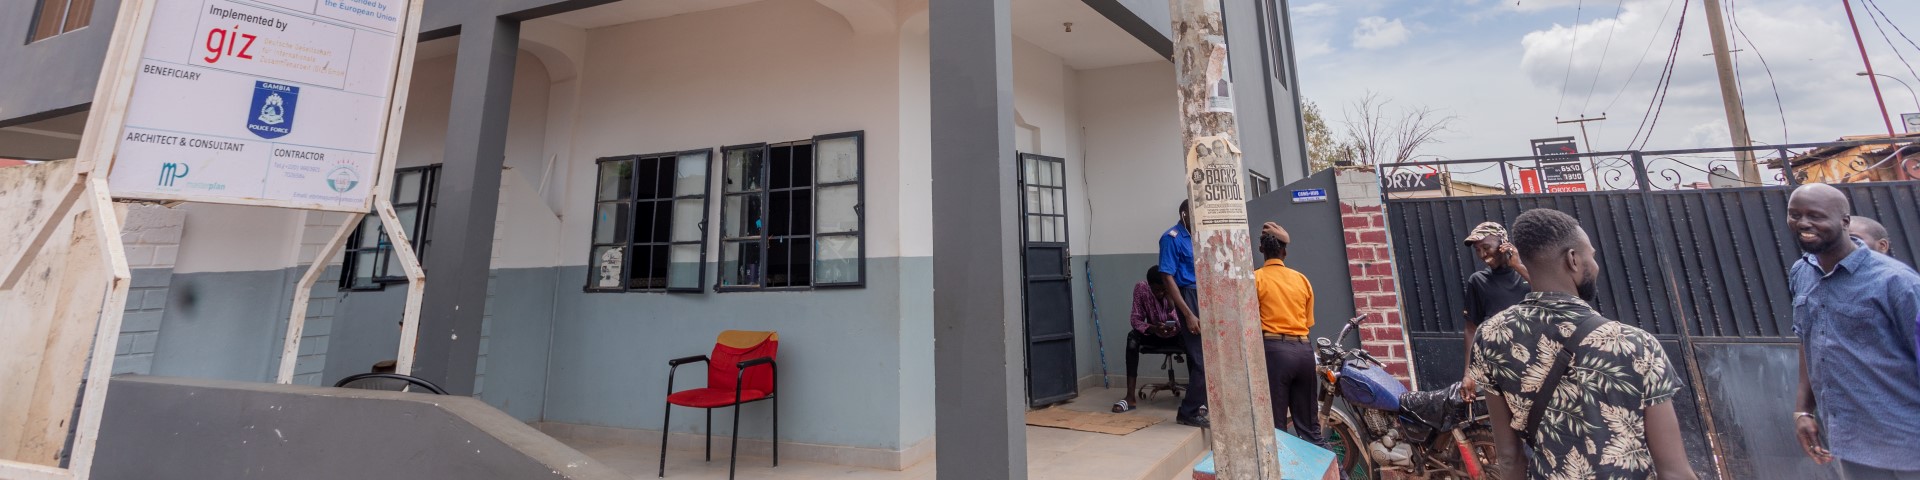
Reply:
x=1702 y=269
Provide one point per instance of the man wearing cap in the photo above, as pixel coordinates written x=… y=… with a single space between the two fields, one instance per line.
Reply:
x=1502 y=284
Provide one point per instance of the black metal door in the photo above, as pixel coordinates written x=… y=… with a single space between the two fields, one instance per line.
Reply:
x=1052 y=374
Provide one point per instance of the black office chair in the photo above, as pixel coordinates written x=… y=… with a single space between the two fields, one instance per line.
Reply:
x=1173 y=354
x=390 y=382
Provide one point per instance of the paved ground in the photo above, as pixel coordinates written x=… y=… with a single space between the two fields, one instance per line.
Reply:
x=1164 y=451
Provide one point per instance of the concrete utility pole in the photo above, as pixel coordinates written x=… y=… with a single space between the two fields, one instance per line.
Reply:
x=1730 y=93
x=1239 y=404
x=1583 y=128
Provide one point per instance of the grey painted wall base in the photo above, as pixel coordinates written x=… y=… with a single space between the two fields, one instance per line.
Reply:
x=166 y=428
x=648 y=441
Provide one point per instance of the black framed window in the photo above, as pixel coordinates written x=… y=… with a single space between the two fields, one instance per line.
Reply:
x=792 y=214
x=1271 y=15
x=1258 y=185
x=370 y=263
x=650 y=223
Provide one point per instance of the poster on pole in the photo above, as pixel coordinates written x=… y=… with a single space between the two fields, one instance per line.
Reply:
x=261 y=102
x=1213 y=172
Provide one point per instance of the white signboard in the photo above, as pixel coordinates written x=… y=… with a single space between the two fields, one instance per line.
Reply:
x=1912 y=120
x=261 y=102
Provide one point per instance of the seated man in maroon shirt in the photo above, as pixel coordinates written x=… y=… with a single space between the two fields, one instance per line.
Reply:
x=1155 y=324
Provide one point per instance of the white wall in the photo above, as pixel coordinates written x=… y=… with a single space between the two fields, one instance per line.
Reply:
x=1044 y=97
x=1132 y=122
x=774 y=71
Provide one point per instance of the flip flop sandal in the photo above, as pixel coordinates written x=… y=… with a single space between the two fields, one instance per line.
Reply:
x=1122 y=407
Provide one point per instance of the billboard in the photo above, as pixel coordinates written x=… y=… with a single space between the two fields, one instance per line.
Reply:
x=1560 y=169
x=265 y=102
x=1405 y=180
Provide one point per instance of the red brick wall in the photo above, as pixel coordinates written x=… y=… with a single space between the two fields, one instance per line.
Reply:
x=1370 y=264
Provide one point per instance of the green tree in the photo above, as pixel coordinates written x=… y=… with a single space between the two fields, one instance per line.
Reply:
x=1323 y=149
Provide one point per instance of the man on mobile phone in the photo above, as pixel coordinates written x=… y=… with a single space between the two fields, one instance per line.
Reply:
x=1502 y=284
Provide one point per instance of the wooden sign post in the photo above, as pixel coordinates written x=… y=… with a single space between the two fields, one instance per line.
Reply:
x=297 y=105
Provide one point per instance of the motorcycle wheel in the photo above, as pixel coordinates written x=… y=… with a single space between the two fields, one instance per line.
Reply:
x=1345 y=437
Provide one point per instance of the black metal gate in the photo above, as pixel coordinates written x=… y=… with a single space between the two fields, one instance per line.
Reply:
x=1703 y=269
x=1052 y=372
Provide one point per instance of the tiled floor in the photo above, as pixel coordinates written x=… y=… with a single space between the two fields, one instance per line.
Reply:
x=1163 y=451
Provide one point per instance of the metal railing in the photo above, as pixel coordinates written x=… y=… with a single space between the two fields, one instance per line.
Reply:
x=1657 y=170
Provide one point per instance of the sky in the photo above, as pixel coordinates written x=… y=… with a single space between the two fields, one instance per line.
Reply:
x=1507 y=69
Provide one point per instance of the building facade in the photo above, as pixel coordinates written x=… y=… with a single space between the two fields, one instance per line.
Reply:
x=599 y=186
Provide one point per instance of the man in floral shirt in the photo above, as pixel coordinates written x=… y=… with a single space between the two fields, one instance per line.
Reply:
x=1611 y=415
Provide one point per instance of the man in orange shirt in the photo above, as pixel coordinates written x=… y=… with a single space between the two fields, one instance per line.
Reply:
x=1286 y=314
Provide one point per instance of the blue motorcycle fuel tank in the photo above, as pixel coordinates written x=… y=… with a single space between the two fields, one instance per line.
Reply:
x=1370 y=386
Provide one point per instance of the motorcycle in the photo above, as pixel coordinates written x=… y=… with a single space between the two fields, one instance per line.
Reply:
x=1374 y=424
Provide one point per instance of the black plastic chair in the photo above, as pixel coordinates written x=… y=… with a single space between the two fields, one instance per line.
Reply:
x=1173 y=354
x=388 y=381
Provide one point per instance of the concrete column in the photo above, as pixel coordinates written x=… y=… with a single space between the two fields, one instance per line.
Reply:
x=469 y=195
x=979 y=387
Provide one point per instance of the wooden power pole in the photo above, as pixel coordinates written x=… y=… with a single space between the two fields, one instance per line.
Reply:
x=1730 y=93
x=1237 y=398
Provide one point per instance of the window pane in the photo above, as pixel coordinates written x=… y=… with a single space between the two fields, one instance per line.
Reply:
x=1028 y=173
x=684 y=271
x=365 y=264
x=409 y=184
x=608 y=263
x=740 y=263
x=1033 y=230
x=780 y=167
x=790 y=263
x=838 y=259
x=690 y=177
x=610 y=223
x=616 y=180
x=780 y=213
x=686 y=220
x=78 y=14
x=647 y=174
x=1059 y=176
x=643 y=218
x=839 y=160
x=662 y=227
x=369 y=231
x=743 y=169
x=1033 y=199
x=408 y=216
x=836 y=211
x=649 y=267
x=1059 y=201
x=742 y=216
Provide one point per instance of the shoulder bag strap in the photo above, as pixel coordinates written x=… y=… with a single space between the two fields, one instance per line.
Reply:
x=1558 y=372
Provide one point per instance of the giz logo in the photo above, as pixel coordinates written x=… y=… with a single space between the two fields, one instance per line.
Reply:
x=170 y=172
x=222 y=42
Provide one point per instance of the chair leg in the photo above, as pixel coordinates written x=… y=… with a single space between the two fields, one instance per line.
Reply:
x=709 y=434
x=665 y=426
x=733 y=458
x=776 y=431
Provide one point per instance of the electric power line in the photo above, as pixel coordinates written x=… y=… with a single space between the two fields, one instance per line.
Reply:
x=1595 y=81
x=1643 y=58
x=1573 y=46
x=1658 y=102
x=1777 y=104
x=1896 y=26
x=1890 y=45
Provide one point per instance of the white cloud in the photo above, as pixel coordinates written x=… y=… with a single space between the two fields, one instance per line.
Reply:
x=1320 y=9
x=1375 y=33
x=1503 y=78
x=1312 y=49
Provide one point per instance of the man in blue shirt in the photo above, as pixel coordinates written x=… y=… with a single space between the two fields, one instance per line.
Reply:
x=1176 y=259
x=1855 y=312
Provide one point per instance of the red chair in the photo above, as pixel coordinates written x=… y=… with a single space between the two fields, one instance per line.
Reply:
x=732 y=381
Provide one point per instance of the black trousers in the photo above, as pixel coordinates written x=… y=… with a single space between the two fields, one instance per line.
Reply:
x=1294 y=386
x=1135 y=340
x=1196 y=364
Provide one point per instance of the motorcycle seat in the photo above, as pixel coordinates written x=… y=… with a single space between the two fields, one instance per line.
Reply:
x=1440 y=409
